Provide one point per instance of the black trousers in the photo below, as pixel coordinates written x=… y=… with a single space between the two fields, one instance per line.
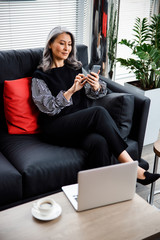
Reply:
x=91 y=129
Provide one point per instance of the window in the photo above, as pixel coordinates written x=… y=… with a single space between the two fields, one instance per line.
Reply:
x=26 y=23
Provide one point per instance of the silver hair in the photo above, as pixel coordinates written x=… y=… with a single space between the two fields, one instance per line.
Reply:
x=47 y=59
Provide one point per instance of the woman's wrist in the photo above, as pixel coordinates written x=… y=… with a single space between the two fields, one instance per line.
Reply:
x=98 y=88
x=68 y=94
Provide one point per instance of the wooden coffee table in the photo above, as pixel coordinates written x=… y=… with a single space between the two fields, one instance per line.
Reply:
x=135 y=219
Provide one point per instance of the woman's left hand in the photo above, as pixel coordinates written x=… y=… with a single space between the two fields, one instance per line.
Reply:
x=93 y=80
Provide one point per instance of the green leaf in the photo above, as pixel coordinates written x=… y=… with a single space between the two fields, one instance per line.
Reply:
x=127 y=43
x=141 y=29
x=146 y=48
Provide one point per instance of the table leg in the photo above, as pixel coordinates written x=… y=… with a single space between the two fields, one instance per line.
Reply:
x=155 y=167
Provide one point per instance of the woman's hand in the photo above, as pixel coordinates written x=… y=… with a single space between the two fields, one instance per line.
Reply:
x=93 y=80
x=79 y=82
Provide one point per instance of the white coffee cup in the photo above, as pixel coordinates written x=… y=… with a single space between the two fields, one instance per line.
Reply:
x=45 y=206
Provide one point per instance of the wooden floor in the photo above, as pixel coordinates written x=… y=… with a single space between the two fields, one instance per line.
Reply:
x=144 y=191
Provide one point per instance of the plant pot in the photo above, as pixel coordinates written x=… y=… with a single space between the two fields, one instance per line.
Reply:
x=153 y=123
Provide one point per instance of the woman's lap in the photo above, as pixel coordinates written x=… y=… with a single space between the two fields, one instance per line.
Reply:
x=72 y=129
x=76 y=124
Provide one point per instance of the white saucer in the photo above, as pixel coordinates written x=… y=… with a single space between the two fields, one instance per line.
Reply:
x=53 y=215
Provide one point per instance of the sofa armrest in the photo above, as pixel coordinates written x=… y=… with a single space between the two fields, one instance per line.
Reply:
x=140 y=115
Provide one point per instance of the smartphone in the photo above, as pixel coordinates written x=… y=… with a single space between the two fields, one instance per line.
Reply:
x=95 y=68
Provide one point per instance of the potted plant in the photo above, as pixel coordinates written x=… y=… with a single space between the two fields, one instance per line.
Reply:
x=146 y=49
x=146 y=66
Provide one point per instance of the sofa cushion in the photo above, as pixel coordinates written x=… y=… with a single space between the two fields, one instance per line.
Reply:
x=20 y=111
x=44 y=167
x=121 y=108
x=10 y=182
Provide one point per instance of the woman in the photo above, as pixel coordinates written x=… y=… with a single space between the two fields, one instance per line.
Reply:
x=59 y=90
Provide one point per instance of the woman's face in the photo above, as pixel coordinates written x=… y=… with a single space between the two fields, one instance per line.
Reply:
x=61 y=47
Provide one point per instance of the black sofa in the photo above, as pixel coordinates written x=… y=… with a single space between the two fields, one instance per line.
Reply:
x=30 y=167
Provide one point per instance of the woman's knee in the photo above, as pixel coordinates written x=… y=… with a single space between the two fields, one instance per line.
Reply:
x=100 y=116
x=101 y=112
x=96 y=141
x=99 y=109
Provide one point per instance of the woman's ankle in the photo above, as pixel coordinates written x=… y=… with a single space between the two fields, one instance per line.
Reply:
x=140 y=173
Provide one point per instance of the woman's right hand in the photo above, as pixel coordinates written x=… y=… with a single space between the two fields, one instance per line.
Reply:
x=79 y=82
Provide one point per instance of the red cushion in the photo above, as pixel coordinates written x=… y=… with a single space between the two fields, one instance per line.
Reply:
x=20 y=111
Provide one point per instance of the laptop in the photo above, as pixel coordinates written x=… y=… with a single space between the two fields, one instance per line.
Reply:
x=103 y=186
